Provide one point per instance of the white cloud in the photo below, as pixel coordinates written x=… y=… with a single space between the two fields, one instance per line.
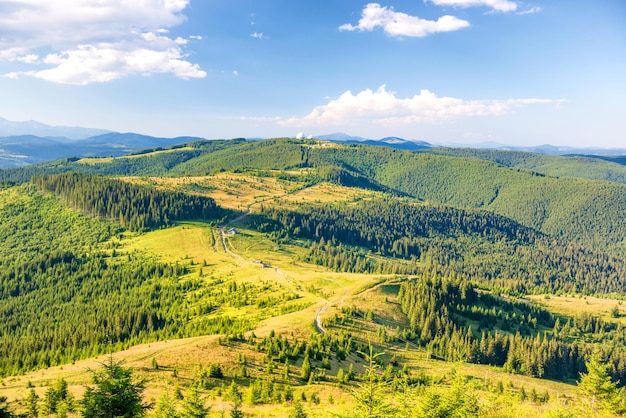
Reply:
x=19 y=55
x=86 y=41
x=258 y=35
x=235 y=72
x=498 y=5
x=106 y=62
x=384 y=107
x=534 y=9
x=28 y=58
x=401 y=24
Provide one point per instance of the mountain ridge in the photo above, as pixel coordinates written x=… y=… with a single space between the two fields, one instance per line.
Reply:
x=32 y=142
x=31 y=127
x=22 y=150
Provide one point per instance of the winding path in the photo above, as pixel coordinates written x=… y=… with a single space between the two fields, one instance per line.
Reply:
x=222 y=230
x=318 y=318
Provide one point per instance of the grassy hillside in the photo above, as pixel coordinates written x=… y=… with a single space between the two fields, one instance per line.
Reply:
x=330 y=251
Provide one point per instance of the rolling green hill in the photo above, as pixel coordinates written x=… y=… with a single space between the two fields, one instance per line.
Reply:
x=347 y=268
x=590 y=213
x=577 y=166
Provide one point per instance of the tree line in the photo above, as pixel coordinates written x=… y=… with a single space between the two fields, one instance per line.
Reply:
x=134 y=206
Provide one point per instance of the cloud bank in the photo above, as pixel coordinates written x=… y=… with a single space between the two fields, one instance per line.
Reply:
x=385 y=108
x=86 y=41
x=394 y=23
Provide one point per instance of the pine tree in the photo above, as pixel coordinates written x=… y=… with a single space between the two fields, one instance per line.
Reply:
x=596 y=387
x=340 y=377
x=351 y=373
x=305 y=371
x=4 y=408
x=194 y=405
x=370 y=400
x=236 y=411
x=165 y=407
x=234 y=394
x=297 y=411
x=115 y=393
x=32 y=404
x=58 y=400
x=286 y=370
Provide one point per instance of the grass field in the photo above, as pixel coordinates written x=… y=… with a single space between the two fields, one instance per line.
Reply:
x=179 y=361
x=577 y=305
x=230 y=190
x=107 y=160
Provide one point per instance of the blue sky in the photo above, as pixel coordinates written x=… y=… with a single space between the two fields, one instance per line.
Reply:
x=442 y=71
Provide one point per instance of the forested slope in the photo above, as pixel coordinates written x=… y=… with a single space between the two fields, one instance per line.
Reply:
x=441 y=256
x=590 y=213
x=445 y=315
x=587 y=167
x=481 y=246
x=66 y=294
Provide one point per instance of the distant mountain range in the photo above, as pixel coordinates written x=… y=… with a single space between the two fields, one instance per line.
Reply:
x=391 y=141
x=33 y=128
x=31 y=142
x=547 y=149
x=402 y=143
x=17 y=151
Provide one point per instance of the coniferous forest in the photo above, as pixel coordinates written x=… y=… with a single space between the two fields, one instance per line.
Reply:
x=317 y=267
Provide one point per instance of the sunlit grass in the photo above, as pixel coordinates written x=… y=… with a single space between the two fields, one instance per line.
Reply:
x=108 y=160
x=578 y=304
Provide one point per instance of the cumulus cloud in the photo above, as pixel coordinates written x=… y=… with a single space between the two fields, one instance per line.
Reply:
x=498 y=5
x=401 y=24
x=384 y=107
x=258 y=35
x=85 y=41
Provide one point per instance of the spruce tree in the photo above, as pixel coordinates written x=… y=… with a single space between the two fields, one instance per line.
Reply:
x=370 y=400
x=4 y=408
x=297 y=411
x=165 y=407
x=115 y=393
x=596 y=387
x=194 y=405
x=32 y=404
x=305 y=371
x=236 y=411
x=58 y=400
